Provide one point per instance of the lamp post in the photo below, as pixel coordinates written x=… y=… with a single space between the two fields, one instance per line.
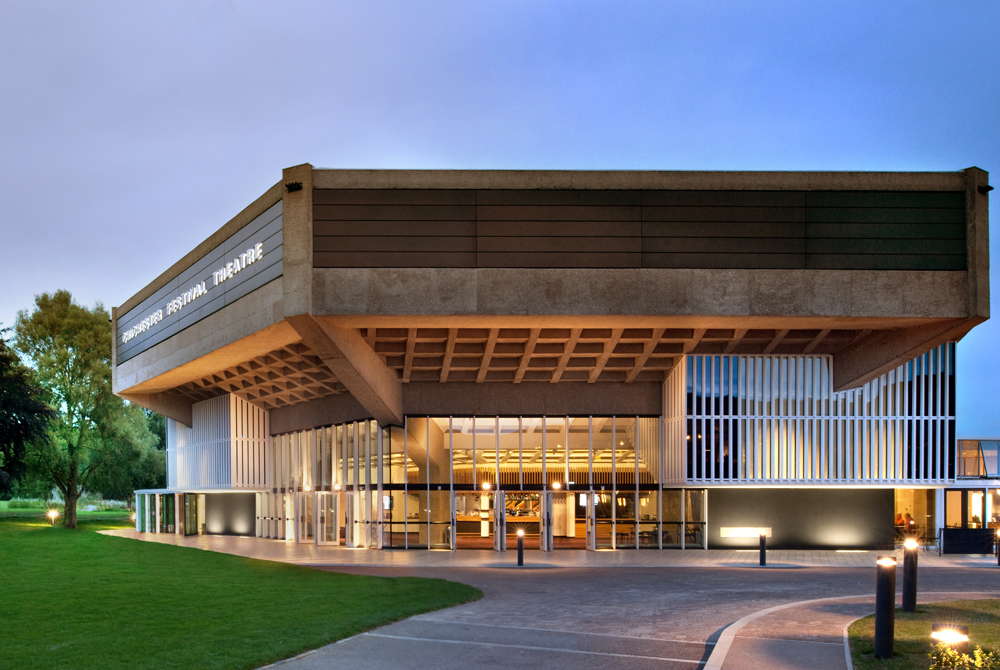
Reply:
x=520 y=547
x=885 y=606
x=910 y=575
x=763 y=548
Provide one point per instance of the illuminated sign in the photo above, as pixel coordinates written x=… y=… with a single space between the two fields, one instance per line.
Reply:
x=243 y=262
x=254 y=253
x=143 y=325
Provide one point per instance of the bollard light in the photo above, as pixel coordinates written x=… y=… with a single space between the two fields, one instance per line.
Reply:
x=520 y=547
x=763 y=548
x=910 y=575
x=956 y=637
x=885 y=606
x=52 y=517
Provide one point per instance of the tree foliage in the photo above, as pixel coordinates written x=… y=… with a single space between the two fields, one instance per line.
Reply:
x=97 y=441
x=24 y=414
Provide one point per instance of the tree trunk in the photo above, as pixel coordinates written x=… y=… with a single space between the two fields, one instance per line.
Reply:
x=69 y=516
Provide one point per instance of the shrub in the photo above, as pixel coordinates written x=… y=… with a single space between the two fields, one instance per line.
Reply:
x=944 y=657
x=20 y=503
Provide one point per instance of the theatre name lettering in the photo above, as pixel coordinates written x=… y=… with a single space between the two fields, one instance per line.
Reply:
x=228 y=271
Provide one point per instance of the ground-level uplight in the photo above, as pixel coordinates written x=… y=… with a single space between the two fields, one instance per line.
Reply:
x=520 y=547
x=763 y=548
x=885 y=606
x=910 y=575
x=956 y=637
x=52 y=514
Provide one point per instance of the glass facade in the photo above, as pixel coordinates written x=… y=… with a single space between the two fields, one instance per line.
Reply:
x=438 y=482
x=979 y=459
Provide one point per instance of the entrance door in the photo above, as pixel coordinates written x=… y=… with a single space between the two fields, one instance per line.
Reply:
x=499 y=521
x=304 y=507
x=591 y=498
x=350 y=523
x=545 y=522
x=327 y=530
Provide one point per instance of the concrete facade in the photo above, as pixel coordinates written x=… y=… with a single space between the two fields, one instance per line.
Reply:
x=426 y=293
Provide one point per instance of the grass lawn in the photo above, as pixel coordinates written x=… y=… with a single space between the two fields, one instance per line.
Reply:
x=913 y=632
x=77 y=599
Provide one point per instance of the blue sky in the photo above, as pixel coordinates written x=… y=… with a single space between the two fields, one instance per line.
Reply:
x=130 y=131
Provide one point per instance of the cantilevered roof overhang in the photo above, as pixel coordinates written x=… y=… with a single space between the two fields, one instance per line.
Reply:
x=385 y=282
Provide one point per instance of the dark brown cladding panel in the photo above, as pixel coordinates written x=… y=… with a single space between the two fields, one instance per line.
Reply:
x=634 y=229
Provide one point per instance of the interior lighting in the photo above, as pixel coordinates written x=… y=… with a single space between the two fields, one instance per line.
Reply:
x=910 y=543
x=336 y=487
x=486 y=486
x=308 y=488
x=556 y=485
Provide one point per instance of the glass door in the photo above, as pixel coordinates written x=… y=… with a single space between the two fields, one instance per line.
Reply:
x=499 y=521
x=590 y=500
x=304 y=507
x=327 y=530
x=545 y=522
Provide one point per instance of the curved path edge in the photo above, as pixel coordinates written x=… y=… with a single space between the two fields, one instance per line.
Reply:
x=725 y=641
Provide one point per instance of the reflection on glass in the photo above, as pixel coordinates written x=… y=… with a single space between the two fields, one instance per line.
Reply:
x=953 y=509
x=531 y=436
x=975 y=513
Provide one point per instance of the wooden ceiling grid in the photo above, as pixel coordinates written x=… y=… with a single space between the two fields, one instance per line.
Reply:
x=286 y=376
x=294 y=374
x=576 y=354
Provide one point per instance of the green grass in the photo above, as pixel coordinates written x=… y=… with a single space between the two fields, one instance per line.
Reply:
x=77 y=599
x=913 y=632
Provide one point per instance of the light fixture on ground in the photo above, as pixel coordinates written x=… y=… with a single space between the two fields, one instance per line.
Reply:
x=520 y=547
x=763 y=548
x=885 y=606
x=52 y=517
x=910 y=547
x=956 y=637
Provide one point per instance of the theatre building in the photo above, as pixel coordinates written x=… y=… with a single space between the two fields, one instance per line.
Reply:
x=604 y=360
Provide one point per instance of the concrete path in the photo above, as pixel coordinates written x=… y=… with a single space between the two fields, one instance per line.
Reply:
x=737 y=619
x=805 y=635
x=309 y=554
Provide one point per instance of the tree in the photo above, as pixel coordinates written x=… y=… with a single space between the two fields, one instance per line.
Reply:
x=24 y=415
x=94 y=432
x=130 y=459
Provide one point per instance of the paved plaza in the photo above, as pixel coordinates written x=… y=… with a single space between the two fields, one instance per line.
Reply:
x=665 y=609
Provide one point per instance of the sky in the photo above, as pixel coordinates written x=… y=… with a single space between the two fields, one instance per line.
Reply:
x=129 y=132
